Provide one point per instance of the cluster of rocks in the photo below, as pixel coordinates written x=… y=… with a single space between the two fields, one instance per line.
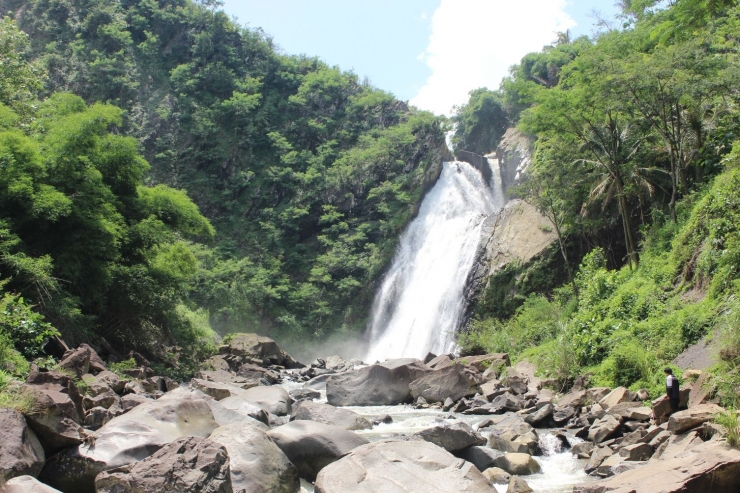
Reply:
x=233 y=429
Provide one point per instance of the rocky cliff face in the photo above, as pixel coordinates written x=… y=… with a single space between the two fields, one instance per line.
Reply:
x=514 y=154
x=518 y=233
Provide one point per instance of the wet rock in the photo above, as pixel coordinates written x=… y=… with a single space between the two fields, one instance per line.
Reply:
x=21 y=453
x=518 y=485
x=59 y=410
x=317 y=383
x=690 y=418
x=385 y=419
x=483 y=458
x=257 y=464
x=506 y=403
x=311 y=446
x=27 y=484
x=452 y=382
x=562 y=415
x=452 y=437
x=400 y=467
x=383 y=384
x=330 y=415
x=582 y=450
x=337 y=364
x=304 y=394
x=604 y=429
x=274 y=400
x=518 y=464
x=187 y=465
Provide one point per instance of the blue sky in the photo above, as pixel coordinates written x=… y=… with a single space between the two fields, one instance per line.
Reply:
x=431 y=52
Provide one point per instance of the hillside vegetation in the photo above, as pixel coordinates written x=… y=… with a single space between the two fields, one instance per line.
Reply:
x=637 y=166
x=173 y=171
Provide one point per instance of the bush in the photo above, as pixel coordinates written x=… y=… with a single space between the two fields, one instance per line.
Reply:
x=24 y=327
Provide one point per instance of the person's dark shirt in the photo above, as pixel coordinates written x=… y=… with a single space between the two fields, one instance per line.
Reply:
x=671 y=387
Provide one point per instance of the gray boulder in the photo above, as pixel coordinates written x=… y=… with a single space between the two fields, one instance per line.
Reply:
x=450 y=382
x=59 y=410
x=330 y=415
x=690 y=418
x=304 y=394
x=129 y=438
x=257 y=464
x=604 y=428
x=518 y=485
x=257 y=349
x=235 y=409
x=383 y=384
x=27 y=484
x=311 y=446
x=21 y=453
x=187 y=465
x=453 y=437
x=481 y=457
x=274 y=400
x=401 y=467
x=112 y=380
x=518 y=464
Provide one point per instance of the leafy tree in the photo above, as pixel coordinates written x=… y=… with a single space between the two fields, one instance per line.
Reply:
x=480 y=123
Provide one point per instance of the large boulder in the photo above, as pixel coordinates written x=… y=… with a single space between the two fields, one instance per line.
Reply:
x=453 y=382
x=311 y=446
x=235 y=409
x=497 y=361
x=692 y=417
x=401 y=467
x=27 y=484
x=59 y=410
x=662 y=405
x=21 y=453
x=257 y=349
x=382 y=384
x=257 y=464
x=330 y=415
x=130 y=438
x=616 y=396
x=187 y=465
x=453 y=437
x=518 y=464
x=518 y=485
x=604 y=428
x=275 y=400
x=481 y=457
x=514 y=435
x=707 y=467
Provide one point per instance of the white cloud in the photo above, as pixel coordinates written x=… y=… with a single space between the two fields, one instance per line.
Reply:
x=474 y=42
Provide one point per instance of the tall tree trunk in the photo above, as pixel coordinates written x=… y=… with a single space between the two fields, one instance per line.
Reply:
x=563 y=251
x=629 y=238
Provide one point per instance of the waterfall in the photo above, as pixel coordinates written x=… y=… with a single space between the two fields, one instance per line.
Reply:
x=421 y=300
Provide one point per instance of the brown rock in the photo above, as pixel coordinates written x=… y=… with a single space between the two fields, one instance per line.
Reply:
x=21 y=453
x=690 y=418
x=187 y=465
x=518 y=485
x=60 y=412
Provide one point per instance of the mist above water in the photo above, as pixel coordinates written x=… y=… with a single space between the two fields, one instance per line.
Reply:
x=421 y=300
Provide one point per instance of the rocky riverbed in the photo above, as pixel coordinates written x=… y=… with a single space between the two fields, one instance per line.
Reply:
x=255 y=420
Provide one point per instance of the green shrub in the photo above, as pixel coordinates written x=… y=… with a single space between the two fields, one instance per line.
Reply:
x=25 y=327
x=729 y=420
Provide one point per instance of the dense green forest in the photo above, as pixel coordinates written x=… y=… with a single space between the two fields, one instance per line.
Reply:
x=637 y=165
x=166 y=171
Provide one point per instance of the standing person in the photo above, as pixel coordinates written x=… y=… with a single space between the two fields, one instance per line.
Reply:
x=672 y=389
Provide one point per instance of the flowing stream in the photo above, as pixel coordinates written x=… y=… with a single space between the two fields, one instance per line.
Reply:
x=421 y=300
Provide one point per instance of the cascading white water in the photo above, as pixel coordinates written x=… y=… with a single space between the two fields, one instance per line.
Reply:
x=421 y=300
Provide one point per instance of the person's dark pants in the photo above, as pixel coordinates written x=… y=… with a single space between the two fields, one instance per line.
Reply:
x=674 y=404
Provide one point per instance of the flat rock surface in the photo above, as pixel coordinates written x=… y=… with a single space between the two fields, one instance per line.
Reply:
x=401 y=467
